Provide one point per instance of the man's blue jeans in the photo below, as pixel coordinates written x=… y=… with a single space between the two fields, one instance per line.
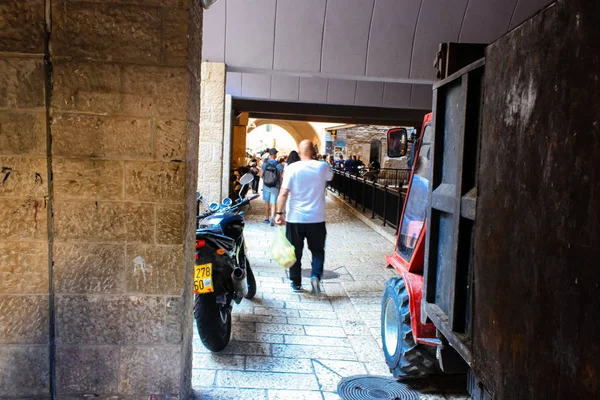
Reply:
x=315 y=234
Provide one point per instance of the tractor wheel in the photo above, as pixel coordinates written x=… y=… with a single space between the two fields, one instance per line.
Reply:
x=213 y=321
x=403 y=355
x=251 y=281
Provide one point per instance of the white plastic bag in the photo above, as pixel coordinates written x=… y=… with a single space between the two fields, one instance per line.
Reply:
x=282 y=250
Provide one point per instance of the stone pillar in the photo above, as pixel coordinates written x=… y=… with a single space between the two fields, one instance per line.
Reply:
x=210 y=169
x=24 y=273
x=227 y=145
x=123 y=117
x=124 y=121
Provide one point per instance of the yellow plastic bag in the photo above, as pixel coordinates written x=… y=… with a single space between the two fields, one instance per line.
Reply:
x=282 y=250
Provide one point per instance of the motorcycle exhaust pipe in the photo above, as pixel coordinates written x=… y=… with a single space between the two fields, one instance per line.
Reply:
x=240 y=284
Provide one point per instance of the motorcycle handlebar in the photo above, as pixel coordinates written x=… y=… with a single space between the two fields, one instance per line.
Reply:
x=231 y=208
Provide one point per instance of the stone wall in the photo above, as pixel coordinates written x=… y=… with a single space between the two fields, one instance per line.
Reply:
x=24 y=274
x=212 y=124
x=114 y=117
x=358 y=142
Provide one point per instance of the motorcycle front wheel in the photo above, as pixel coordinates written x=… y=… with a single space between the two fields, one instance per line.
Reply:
x=213 y=322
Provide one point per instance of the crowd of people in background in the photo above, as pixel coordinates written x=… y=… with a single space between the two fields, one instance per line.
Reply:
x=352 y=165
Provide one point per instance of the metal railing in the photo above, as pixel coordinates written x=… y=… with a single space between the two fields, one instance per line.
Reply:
x=384 y=201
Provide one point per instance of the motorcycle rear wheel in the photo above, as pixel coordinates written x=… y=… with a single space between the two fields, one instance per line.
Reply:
x=213 y=322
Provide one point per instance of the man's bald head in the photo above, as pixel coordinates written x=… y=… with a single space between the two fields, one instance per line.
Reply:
x=306 y=149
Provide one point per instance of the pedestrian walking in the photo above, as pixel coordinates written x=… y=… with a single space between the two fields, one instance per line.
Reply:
x=293 y=157
x=271 y=175
x=301 y=195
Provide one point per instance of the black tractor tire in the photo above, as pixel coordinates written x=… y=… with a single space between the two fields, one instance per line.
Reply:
x=408 y=359
x=251 y=282
x=214 y=327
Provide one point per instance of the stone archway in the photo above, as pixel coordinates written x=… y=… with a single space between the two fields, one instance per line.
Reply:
x=299 y=130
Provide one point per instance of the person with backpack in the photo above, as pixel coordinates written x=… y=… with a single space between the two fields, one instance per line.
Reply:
x=271 y=175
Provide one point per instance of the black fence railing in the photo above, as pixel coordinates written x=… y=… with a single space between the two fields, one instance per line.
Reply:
x=383 y=201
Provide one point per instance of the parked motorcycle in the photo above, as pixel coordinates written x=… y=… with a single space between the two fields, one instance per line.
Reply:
x=222 y=273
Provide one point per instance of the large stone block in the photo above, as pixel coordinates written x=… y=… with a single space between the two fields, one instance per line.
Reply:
x=22 y=25
x=213 y=94
x=211 y=132
x=23 y=219
x=213 y=72
x=23 y=267
x=110 y=319
x=150 y=370
x=161 y=81
x=23 y=176
x=103 y=221
x=155 y=269
x=169 y=223
x=101 y=137
x=154 y=181
x=24 y=319
x=87 y=179
x=170 y=140
x=82 y=86
x=21 y=82
x=155 y=91
x=25 y=371
x=154 y=106
x=22 y=133
x=111 y=32
x=174 y=37
x=209 y=171
x=89 y=268
x=87 y=370
x=173 y=320
x=212 y=152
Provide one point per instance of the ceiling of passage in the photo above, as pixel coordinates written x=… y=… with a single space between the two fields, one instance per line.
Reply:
x=355 y=52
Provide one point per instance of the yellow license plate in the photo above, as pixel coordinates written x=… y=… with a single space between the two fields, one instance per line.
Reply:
x=203 y=279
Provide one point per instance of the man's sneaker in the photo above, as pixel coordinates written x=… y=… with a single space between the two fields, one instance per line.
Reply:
x=296 y=288
x=314 y=282
x=266 y=221
x=272 y=222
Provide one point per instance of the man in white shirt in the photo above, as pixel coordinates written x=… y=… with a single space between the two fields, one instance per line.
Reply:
x=303 y=190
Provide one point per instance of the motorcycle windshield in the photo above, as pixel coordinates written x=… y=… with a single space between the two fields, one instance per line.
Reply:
x=415 y=210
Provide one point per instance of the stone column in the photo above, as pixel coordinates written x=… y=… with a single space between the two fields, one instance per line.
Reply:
x=124 y=112
x=95 y=300
x=24 y=273
x=227 y=145
x=210 y=170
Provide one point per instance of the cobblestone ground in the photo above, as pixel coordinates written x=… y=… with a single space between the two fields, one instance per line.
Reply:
x=297 y=346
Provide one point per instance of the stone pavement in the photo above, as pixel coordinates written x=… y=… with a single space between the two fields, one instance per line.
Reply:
x=290 y=346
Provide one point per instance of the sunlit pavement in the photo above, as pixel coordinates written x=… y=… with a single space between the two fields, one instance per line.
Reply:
x=290 y=346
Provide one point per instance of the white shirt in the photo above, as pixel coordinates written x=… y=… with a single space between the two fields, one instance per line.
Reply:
x=306 y=181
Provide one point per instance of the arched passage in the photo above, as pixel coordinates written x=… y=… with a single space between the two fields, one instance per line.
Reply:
x=299 y=130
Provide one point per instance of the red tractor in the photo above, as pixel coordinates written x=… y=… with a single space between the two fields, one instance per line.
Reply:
x=409 y=345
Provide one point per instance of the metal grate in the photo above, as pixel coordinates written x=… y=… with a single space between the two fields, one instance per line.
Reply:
x=368 y=387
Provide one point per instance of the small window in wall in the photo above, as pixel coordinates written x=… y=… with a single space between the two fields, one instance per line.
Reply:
x=375 y=153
